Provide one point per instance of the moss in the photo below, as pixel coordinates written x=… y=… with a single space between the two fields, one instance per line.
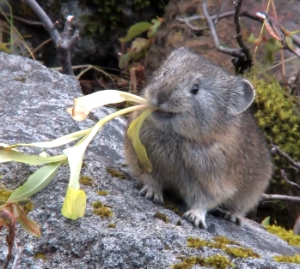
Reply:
x=115 y=173
x=28 y=207
x=277 y=111
x=221 y=242
x=124 y=165
x=167 y=247
x=169 y=205
x=161 y=216
x=277 y=115
x=21 y=79
x=286 y=235
x=240 y=252
x=85 y=180
x=101 y=210
x=178 y=223
x=102 y=193
x=112 y=225
x=40 y=256
x=4 y=194
x=288 y=259
x=97 y=204
x=26 y=204
x=225 y=241
x=216 y=261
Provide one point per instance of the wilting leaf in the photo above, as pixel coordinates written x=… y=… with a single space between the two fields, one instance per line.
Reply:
x=36 y=182
x=74 y=204
x=11 y=155
x=135 y=30
x=133 y=133
x=27 y=224
x=84 y=105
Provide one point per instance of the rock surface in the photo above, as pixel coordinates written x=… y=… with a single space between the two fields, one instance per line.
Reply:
x=33 y=108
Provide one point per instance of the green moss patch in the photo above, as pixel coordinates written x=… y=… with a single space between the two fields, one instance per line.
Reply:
x=288 y=259
x=115 y=173
x=85 y=180
x=286 y=235
x=101 y=210
x=216 y=261
x=161 y=216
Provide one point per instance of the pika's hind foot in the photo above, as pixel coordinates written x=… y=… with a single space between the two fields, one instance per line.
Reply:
x=152 y=193
x=196 y=217
x=237 y=219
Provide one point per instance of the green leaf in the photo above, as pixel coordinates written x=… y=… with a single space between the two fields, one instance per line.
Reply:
x=55 y=143
x=289 y=42
x=293 y=32
x=135 y=30
x=252 y=38
x=11 y=155
x=133 y=133
x=36 y=182
x=153 y=29
x=124 y=60
x=139 y=44
x=266 y=222
x=74 y=204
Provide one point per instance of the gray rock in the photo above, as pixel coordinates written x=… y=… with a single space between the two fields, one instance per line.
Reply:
x=33 y=108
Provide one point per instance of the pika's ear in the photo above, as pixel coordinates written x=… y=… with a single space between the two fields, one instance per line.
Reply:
x=243 y=97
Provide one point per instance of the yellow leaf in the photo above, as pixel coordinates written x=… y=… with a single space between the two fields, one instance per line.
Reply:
x=74 y=204
x=133 y=134
x=84 y=105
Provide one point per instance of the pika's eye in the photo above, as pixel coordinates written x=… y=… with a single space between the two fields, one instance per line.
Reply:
x=195 y=89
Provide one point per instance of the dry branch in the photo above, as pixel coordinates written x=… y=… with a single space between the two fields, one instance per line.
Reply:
x=280 y=197
x=63 y=42
x=284 y=155
x=295 y=39
x=240 y=60
x=285 y=178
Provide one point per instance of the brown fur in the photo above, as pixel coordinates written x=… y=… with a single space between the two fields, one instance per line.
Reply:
x=209 y=151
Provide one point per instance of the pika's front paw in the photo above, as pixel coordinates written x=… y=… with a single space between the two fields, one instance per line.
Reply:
x=153 y=194
x=196 y=217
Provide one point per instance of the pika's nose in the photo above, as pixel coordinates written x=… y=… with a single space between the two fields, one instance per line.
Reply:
x=162 y=97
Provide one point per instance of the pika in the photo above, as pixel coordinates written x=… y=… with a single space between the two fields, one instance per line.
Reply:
x=203 y=143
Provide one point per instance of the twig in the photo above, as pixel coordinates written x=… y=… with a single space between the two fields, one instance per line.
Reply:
x=220 y=11
x=242 y=59
x=280 y=197
x=296 y=39
x=16 y=18
x=285 y=178
x=239 y=37
x=17 y=256
x=233 y=52
x=62 y=42
x=283 y=154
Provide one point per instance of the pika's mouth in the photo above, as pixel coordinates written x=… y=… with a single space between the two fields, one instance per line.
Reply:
x=163 y=114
